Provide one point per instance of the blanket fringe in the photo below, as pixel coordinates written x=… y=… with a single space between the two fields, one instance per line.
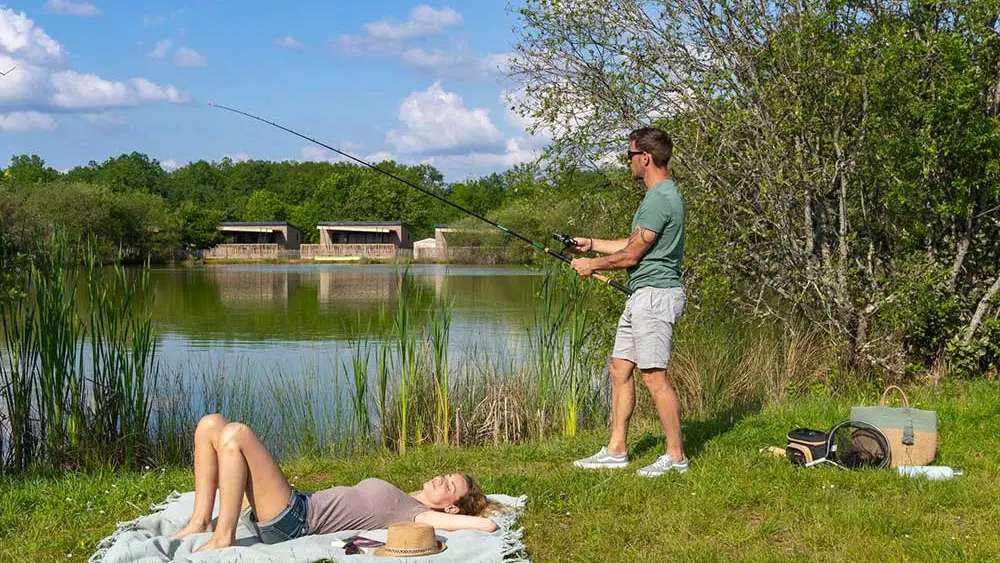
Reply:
x=514 y=550
x=130 y=526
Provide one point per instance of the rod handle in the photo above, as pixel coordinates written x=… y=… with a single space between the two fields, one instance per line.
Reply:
x=613 y=283
x=600 y=277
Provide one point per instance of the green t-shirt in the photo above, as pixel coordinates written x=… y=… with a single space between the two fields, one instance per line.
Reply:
x=662 y=211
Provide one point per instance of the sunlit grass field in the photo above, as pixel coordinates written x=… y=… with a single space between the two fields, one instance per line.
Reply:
x=734 y=504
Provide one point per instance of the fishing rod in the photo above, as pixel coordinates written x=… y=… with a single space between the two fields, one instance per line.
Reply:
x=554 y=253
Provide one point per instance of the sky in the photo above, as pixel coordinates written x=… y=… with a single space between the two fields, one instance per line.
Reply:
x=411 y=81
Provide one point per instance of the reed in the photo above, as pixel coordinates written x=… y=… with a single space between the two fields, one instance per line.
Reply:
x=360 y=356
x=440 y=330
x=57 y=331
x=576 y=369
x=407 y=350
x=122 y=358
x=112 y=406
x=66 y=410
x=18 y=375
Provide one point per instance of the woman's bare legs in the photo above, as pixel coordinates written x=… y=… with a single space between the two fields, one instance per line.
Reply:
x=245 y=466
x=206 y=474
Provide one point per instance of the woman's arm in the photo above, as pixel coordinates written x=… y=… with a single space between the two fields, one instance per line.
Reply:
x=451 y=522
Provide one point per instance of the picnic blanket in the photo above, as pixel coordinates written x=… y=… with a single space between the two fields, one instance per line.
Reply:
x=147 y=540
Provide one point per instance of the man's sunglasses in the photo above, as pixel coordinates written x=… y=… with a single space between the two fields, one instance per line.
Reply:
x=633 y=153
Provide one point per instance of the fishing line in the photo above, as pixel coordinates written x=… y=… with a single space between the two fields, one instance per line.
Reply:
x=539 y=246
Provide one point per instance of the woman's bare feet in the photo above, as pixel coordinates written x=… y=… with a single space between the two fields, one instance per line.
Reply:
x=193 y=527
x=214 y=543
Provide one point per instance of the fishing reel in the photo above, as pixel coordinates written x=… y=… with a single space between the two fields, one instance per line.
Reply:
x=567 y=240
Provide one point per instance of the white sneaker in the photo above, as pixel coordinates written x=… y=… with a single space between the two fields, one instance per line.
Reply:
x=663 y=464
x=603 y=460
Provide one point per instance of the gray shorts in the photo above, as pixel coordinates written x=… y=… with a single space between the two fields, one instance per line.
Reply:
x=646 y=327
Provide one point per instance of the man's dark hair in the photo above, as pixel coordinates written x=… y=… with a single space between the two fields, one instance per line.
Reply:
x=654 y=141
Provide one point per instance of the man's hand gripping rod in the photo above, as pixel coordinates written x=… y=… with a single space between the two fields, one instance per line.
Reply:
x=569 y=241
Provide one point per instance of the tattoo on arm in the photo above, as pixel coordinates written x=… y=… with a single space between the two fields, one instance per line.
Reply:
x=638 y=243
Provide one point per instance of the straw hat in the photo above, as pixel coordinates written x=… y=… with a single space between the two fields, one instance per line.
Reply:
x=410 y=539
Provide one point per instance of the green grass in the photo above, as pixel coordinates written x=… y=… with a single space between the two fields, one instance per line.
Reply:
x=734 y=504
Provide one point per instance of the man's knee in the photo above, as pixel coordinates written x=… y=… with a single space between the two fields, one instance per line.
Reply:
x=655 y=379
x=621 y=370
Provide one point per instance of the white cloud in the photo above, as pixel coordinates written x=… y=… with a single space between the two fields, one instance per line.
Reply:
x=41 y=82
x=20 y=39
x=380 y=156
x=424 y=21
x=539 y=134
x=387 y=36
x=317 y=154
x=20 y=121
x=237 y=156
x=437 y=121
x=188 y=57
x=456 y=63
x=516 y=151
x=169 y=164
x=73 y=90
x=313 y=153
x=72 y=8
x=288 y=42
x=161 y=49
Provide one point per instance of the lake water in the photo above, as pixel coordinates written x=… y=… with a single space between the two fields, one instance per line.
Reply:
x=272 y=344
x=302 y=318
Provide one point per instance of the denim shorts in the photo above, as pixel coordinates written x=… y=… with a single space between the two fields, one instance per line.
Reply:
x=289 y=524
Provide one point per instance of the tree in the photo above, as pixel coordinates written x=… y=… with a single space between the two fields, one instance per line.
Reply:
x=132 y=172
x=264 y=206
x=199 y=182
x=29 y=169
x=197 y=227
x=829 y=151
x=480 y=195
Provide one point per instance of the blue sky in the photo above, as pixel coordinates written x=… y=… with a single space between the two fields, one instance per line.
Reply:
x=413 y=81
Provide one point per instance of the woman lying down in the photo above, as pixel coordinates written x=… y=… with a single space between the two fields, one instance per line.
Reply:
x=230 y=457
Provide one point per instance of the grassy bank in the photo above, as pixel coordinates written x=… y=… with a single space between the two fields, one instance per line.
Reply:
x=733 y=505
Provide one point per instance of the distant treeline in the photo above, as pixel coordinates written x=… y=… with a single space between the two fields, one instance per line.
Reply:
x=131 y=202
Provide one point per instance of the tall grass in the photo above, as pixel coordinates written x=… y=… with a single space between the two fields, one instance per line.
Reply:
x=62 y=411
x=407 y=373
x=402 y=388
x=122 y=357
x=399 y=389
x=361 y=354
x=440 y=330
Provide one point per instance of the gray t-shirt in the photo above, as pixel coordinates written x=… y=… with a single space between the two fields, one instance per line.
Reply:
x=372 y=504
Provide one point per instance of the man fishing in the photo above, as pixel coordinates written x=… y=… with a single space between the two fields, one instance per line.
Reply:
x=652 y=255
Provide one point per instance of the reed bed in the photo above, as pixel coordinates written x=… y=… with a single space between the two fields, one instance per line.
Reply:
x=82 y=389
x=76 y=384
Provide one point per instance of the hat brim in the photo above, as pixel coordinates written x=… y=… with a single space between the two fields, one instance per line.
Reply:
x=386 y=551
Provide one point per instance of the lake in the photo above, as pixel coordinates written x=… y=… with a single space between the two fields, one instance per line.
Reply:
x=274 y=345
x=298 y=318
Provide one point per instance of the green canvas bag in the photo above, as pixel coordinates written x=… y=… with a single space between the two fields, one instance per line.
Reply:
x=912 y=433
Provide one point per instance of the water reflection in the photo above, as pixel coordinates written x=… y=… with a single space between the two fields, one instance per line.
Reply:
x=303 y=317
x=360 y=286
